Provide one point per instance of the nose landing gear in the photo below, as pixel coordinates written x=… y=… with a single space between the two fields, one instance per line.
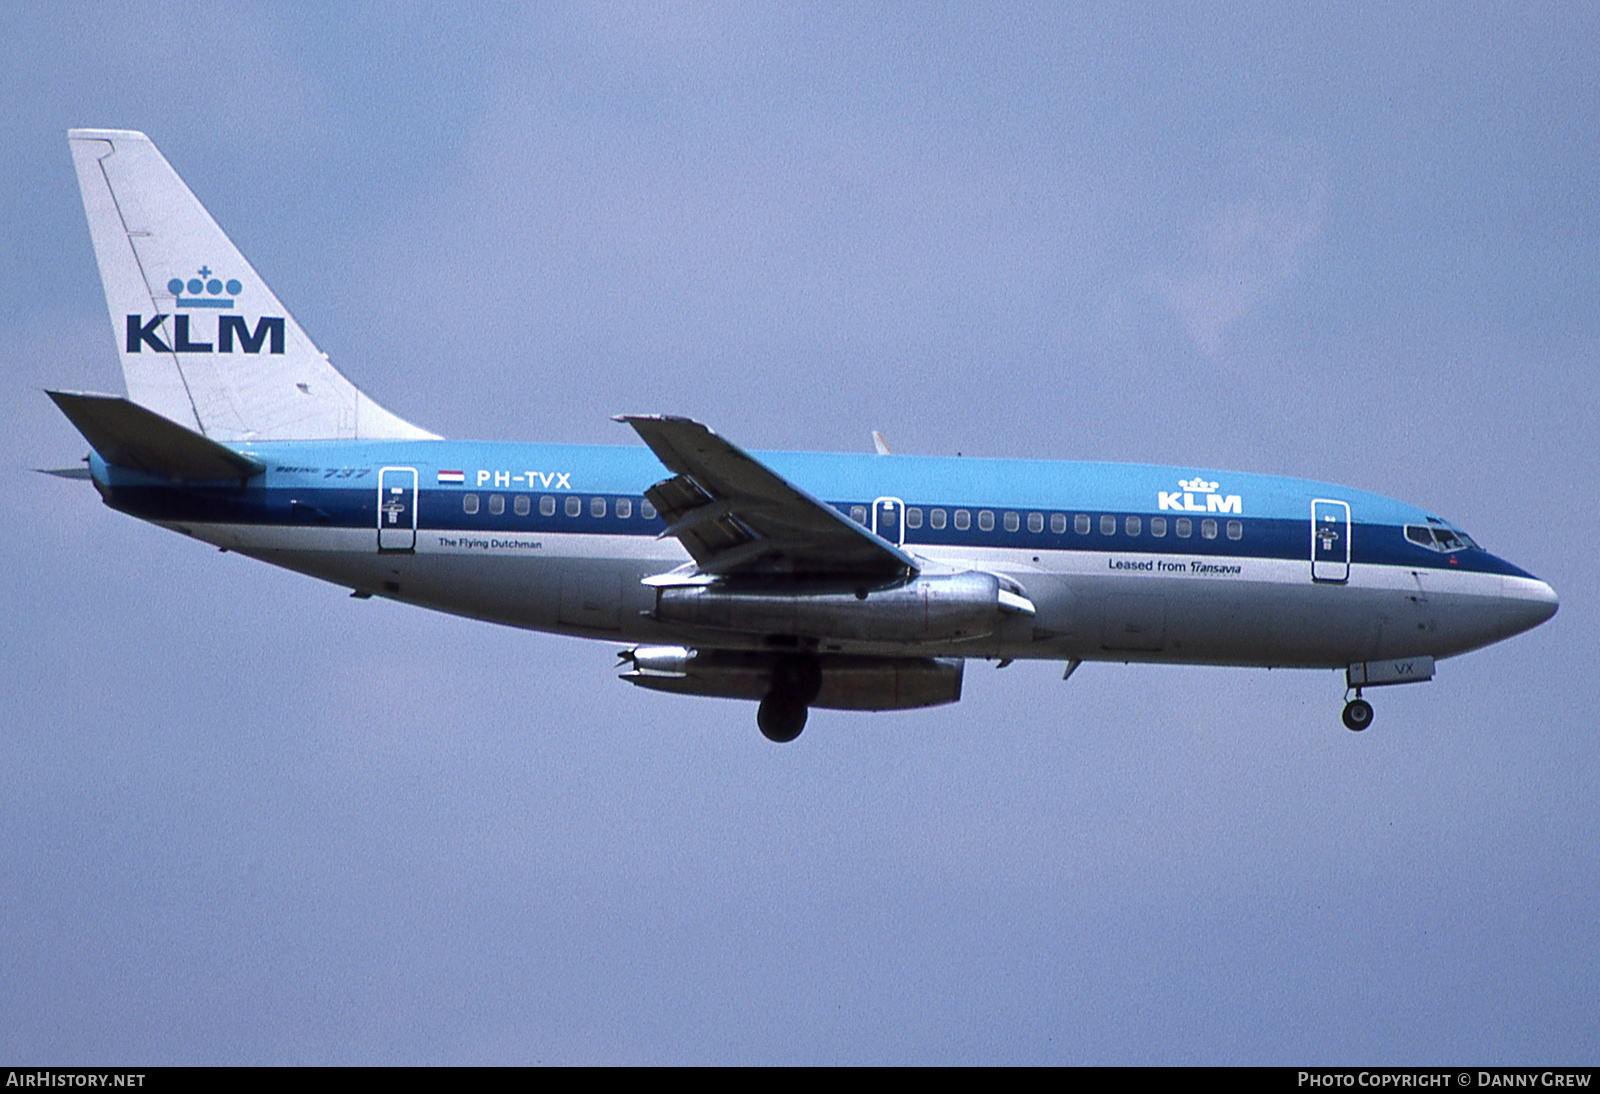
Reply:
x=1357 y=713
x=1371 y=674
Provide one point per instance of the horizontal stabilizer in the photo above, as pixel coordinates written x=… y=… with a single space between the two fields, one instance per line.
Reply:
x=65 y=472
x=127 y=435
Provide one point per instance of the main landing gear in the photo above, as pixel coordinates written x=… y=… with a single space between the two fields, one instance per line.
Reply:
x=1357 y=713
x=795 y=683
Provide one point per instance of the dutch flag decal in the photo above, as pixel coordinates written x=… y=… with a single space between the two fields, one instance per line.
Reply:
x=452 y=476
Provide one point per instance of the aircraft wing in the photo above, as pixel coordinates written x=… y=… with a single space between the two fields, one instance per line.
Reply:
x=736 y=516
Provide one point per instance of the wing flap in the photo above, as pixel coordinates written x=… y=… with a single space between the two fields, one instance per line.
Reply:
x=735 y=515
x=127 y=435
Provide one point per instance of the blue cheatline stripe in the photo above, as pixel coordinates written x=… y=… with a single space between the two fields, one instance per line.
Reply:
x=1025 y=485
x=356 y=507
x=188 y=302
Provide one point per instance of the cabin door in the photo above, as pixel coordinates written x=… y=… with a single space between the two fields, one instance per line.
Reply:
x=397 y=509
x=1330 y=540
x=889 y=520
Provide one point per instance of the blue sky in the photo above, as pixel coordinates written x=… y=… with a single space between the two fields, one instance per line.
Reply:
x=246 y=818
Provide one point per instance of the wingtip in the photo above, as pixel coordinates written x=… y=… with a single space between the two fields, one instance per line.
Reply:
x=634 y=419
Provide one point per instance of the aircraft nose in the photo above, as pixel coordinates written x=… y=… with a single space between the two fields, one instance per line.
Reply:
x=1526 y=602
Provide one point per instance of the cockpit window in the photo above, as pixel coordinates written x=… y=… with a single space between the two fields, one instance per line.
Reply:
x=1438 y=536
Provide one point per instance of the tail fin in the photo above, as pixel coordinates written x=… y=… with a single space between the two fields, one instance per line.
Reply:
x=203 y=341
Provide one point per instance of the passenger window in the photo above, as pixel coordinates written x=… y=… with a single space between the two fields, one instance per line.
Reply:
x=597 y=507
x=963 y=520
x=624 y=508
x=522 y=505
x=1158 y=526
x=1208 y=529
x=574 y=506
x=1012 y=522
x=858 y=513
x=497 y=504
x=547 y=506
x=469 y=503
x=1108 y=526
x=1035 y=522
x=1236 y=529
x=1133 y=526
x=1058 y=523
x=985 y=520
x=1184 y=527
x=647 y=511
x=1080 y=524
x=936 y=519
x=913 y=517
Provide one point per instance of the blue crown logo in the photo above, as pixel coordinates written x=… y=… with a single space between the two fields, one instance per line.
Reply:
x=205 y=291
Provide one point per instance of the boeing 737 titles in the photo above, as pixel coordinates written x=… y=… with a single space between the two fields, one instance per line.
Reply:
x=793 y=579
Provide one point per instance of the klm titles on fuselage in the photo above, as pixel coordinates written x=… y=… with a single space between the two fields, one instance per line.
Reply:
x=1184 y=501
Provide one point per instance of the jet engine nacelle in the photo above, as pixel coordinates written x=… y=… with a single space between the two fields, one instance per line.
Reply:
x=848 y=683
x=934 y=608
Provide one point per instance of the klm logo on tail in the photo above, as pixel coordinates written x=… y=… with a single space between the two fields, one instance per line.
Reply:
x=208 y=284
x=268 y=332
x=206 y=290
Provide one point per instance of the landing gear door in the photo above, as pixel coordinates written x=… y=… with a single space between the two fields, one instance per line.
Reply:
x=397 y=509
x=1330 y=540
x=889 y=520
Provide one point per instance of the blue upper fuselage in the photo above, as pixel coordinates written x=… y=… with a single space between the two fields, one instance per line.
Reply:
x=335 y=483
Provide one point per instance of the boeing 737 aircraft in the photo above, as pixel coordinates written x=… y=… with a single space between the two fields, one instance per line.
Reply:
x=788 y=578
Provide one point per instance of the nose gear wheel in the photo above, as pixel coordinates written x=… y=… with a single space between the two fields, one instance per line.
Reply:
x=1357 y=715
